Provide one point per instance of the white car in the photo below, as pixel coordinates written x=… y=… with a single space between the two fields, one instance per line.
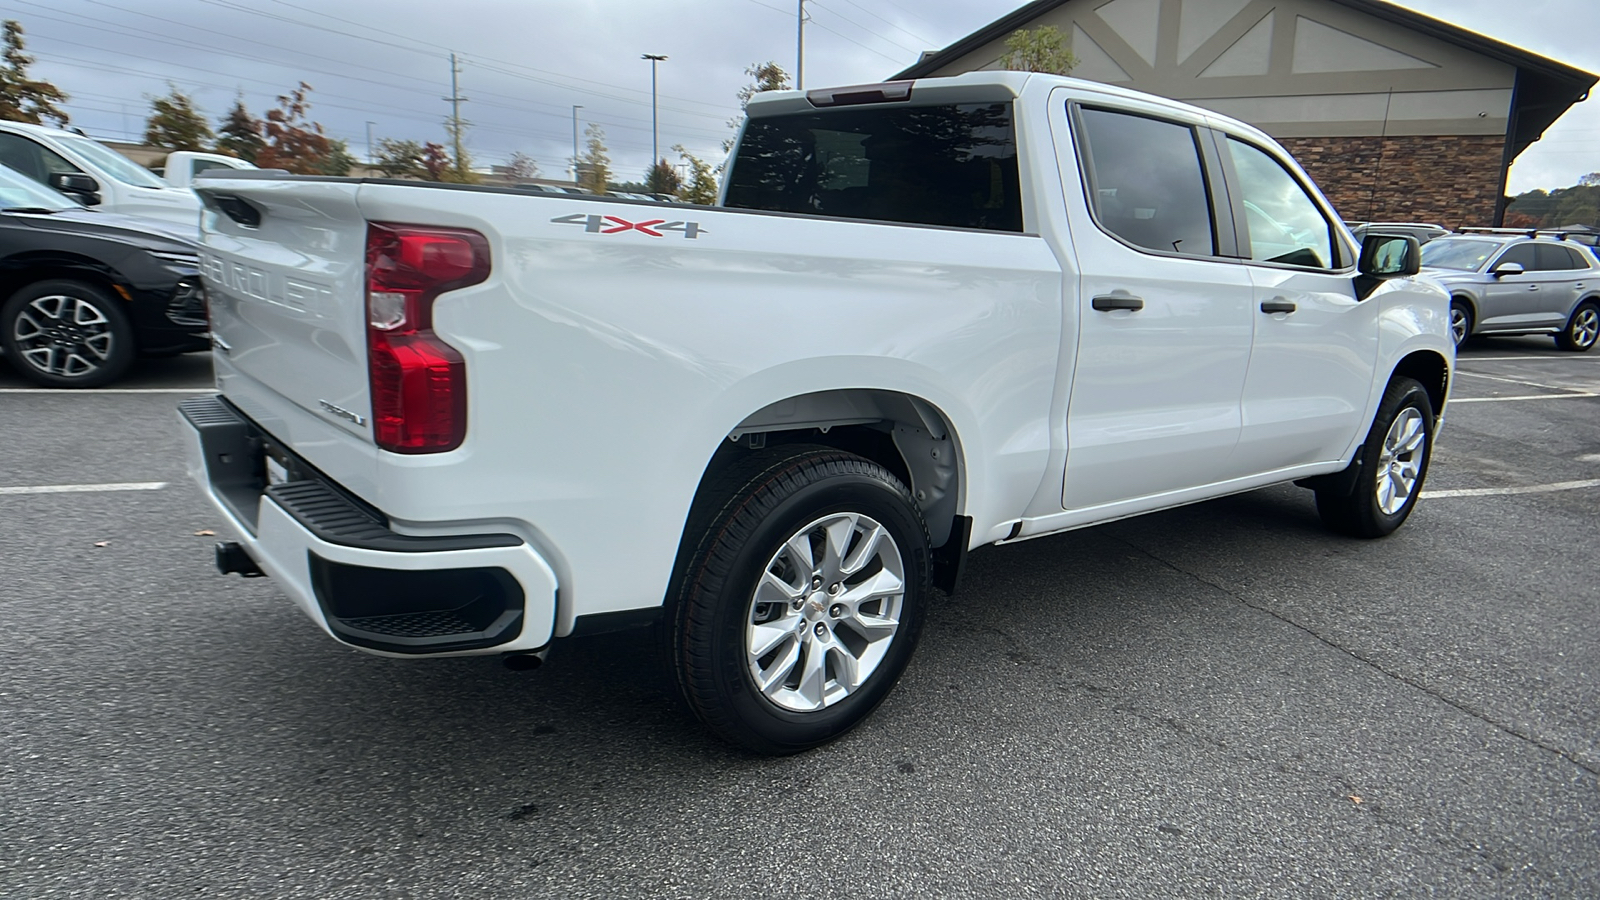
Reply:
x=928 y=316
x=181 y=166
x=96 y=175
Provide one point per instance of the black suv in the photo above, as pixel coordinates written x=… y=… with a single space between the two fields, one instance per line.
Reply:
x=82 y=293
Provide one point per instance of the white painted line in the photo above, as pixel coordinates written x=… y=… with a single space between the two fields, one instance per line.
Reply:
x=1525 y=383
x=85 y=488
x=1455 y=400
x=108 y=390
x=1461 y=359
x=1589 y=457
x=1530 y=489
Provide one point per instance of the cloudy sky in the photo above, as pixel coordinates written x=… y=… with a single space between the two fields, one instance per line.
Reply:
x=384 y=65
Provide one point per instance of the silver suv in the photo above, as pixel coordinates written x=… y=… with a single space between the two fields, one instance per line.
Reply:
x=1505 y=281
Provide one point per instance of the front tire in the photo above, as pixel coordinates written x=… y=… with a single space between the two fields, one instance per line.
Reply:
x=66 y=334
x=1460 y=321
x=1376 y=494
x=1582 y=329
x=802 y=605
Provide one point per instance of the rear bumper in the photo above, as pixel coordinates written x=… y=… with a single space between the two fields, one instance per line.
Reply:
x=365 y=584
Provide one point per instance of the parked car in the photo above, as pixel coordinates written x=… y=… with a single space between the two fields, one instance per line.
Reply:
x=181 y=166
x=84 y=292
x=96 y=175
x=473 y=420
x=1422 y=231
x=1508 y=282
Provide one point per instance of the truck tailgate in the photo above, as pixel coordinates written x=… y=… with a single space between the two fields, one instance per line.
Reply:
x=284 y=269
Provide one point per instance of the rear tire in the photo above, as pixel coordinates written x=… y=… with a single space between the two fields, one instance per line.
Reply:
x=1582 y=329
x=66 y=334
x=1376 y=494
x=803 y=602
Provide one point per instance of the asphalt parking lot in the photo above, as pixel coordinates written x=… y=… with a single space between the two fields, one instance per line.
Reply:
x=1222 y=700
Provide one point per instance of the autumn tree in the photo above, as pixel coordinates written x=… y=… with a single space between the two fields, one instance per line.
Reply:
x=701 y=188
x=23 y=99
x=521 y=167
x=1039 y=49
x=294 y=142
x=435 y=161
x=175 y=124
x=594 y=166
x=662 y=179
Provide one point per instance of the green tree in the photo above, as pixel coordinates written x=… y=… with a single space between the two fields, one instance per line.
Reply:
x=239 y=133
x=400 y=159
x=459 y=169
x=769 y=76
x=594 y=166
x=701 y=188
x=662 y=179
x=22 y=99
x=338 y=160
x=175 y=124
x=294 y=142
x=1038 y=50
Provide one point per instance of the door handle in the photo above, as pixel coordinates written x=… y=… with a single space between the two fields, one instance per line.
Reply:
x=1277 y=305
x=1116 y=301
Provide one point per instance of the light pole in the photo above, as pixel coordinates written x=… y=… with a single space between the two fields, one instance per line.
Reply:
x=575 y=109
x=800 y=47
x=655 y=149
x=372 y=158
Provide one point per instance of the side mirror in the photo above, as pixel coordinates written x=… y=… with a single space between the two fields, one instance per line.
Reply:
x=1507 y=268
x=1390 y=255
x=82 y=186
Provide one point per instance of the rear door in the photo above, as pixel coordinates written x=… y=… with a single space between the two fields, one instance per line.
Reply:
x=1165 y=330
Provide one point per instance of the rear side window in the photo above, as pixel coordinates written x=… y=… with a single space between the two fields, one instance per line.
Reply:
x=1553 y=257
x=1145 y=182
x=953 y=165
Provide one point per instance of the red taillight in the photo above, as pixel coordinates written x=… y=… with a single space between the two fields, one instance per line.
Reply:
x=419 y=383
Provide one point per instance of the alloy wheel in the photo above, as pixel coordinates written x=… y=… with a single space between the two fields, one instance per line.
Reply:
x=1585 y=327
x=825 y=611
x=1400 y=461
x=63 y=335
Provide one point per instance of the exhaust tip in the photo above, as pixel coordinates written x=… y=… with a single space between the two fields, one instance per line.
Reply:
x=232 y=558
x=523 y=662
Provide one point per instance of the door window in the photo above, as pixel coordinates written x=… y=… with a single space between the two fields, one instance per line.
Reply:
x=1522 y=254
x=1145 y=182
x=1284 y=224
x=31 y=158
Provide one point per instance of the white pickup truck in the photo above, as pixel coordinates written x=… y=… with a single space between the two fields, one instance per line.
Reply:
x=926 y=316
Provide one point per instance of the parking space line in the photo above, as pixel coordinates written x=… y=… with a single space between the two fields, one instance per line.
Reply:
x=1455 y=400
x=108 y=390
x=1528 y=489
x=85 y=488
x=1460 y=360
x=1521 y=381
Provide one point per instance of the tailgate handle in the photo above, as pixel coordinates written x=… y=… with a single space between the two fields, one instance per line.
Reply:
x=1277 y=305
x=1116 y=301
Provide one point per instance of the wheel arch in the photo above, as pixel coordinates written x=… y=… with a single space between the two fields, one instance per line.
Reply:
x=906 y=434
x=22 y=270
x=1431 y=370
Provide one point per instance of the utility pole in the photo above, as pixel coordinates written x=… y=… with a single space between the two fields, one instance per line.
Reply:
x=800 y=49
x=372 y=158
x=655 y=149
x=575 y=108
x=456 y=100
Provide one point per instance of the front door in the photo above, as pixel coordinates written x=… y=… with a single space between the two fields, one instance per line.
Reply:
x=1165 y=322
x=1316 y=342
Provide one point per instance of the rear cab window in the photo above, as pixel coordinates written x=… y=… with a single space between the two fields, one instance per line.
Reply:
x=952 y=165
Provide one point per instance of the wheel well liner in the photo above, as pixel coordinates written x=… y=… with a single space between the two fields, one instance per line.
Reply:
x=1431 y=370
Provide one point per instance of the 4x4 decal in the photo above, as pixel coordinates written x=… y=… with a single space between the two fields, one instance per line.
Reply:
x=598 y=224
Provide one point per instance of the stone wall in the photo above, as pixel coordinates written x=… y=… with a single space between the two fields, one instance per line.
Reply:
x=1449 y=180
